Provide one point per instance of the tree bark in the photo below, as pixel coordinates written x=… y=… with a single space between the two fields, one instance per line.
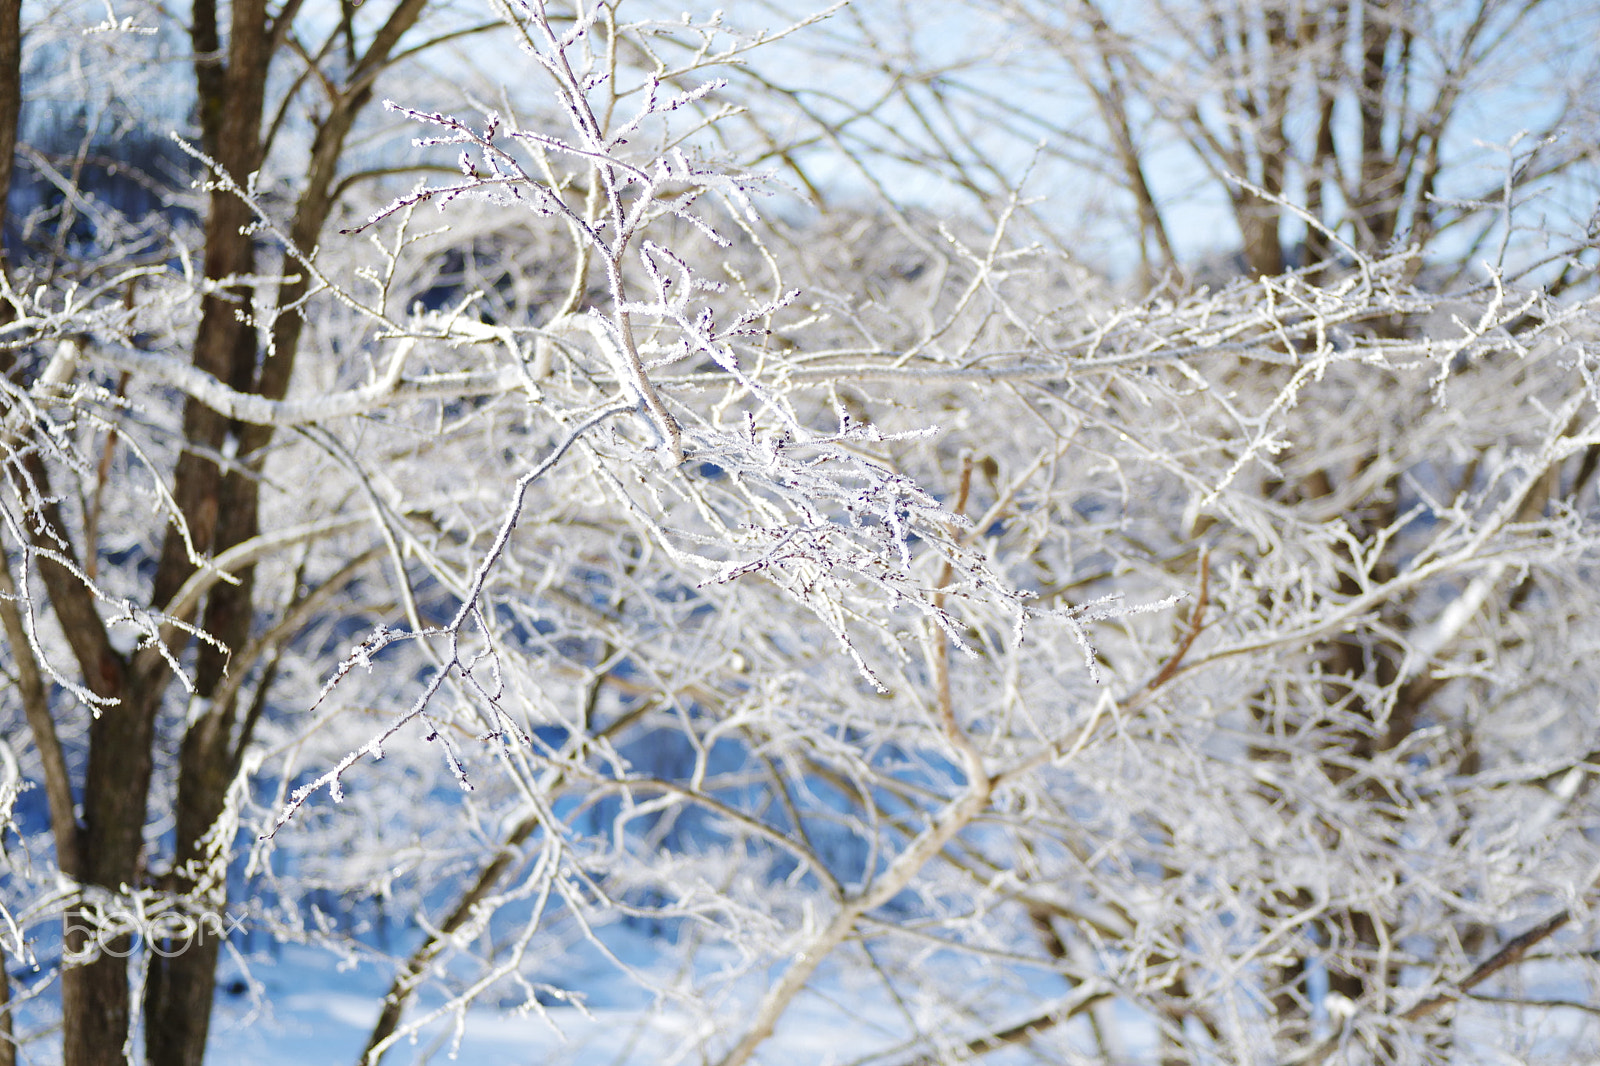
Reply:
x=1378 y=198
x=10 y=113
x=225 y=505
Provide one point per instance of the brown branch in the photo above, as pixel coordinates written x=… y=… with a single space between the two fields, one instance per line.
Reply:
x=1019 y=1033
x=941 y=646
x=411 y=974
x=8 y=1038
x=36 y=708
x=415 y=968
x=74 y=603
x=1195 y=625
x=1510 y=953
x=1538 y=1004
x=91 y=521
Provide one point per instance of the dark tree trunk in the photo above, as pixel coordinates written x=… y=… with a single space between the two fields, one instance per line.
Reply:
x=220 y=509
x=181 y=987
x=10 y=113
x=1377 y=207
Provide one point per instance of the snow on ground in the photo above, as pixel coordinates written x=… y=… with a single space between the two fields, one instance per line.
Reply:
x=311 y=1012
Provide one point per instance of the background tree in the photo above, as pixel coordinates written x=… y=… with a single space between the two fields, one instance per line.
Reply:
x=209 y=504
x=1287 y=131
x=1332 y=133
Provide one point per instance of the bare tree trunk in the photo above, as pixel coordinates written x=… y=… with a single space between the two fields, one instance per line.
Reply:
x=1378 y=197
x=34 y=694
x=94 y=995
x=8 y=1035
x=182 y=984
x=1112 y=101
x=10 y=114
x=181 y=987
